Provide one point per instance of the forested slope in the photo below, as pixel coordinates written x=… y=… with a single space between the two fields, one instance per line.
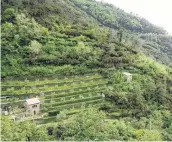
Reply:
x=76 y=19
x=133 y=28
x=60 y=38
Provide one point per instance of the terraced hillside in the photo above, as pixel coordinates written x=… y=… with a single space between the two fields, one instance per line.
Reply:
x=55 y=94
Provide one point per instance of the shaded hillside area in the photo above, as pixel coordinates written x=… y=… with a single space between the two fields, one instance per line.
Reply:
x=75 y=52
x=156 y=43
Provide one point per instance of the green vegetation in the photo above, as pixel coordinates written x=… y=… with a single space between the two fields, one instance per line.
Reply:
x=71 y=53
x=25 y=131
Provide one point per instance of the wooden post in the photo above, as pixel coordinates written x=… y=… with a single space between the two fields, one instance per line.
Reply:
x=150 y=125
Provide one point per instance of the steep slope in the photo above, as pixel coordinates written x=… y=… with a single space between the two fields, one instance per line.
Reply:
x=89 y=14
x=67 y=47
x=115 y=18
x=71 y=23
x=62 y=38
x=158 y=47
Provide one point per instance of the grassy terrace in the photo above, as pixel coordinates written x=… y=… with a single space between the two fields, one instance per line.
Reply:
x=58 y=94
x=76 y=104
x=52 y=120
x=36 y=90
x=50 y=105
x=28 y=83
x=71 y=96
x=55 y=94
x=56 y=89
x=73 y=93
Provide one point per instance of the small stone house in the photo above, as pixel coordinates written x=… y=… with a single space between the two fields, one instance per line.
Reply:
x=128 y=76
x=32 y=106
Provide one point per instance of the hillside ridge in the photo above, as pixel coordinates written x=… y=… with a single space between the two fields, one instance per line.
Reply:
x=107 y=76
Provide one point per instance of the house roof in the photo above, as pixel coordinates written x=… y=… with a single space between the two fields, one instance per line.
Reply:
x=32 y=101
x=126 y=73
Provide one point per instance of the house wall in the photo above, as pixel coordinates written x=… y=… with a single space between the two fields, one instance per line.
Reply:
x=33 y=108
x=128 y=77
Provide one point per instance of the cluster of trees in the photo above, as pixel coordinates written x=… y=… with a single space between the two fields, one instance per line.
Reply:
x=23 y=131
x=41 y=46
x=113 y=17
x=159 y=46
x=90 y=124
x=37 y=46
x=63 y=41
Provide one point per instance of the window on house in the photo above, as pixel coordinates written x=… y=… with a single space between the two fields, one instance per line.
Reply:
x=34 y=106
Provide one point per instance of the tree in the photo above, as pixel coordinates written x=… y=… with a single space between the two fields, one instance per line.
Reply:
x=35 y=49
x=7 y=129
x=61 y=116
x=9 y=15
x=148 y=135
x=24 y=131
x=86 y=125
x=90 y=124
x=167 y=134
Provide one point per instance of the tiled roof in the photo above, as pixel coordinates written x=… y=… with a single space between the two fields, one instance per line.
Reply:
x=32 y=101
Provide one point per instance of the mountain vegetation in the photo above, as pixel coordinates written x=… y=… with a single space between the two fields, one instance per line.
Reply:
x=75 y=51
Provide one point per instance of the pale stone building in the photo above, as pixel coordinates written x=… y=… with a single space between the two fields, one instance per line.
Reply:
x=32 y=106
x=128 y=76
